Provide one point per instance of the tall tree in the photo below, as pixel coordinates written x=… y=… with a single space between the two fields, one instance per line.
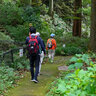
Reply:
x=93 y=26
x=30 y=2
x=51 y=7
x=0 y=1
x=77 y=18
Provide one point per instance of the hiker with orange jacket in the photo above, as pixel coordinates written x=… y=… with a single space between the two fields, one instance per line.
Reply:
x=51 y=46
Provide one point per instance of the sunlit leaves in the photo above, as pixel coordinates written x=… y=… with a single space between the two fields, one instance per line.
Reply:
x=7 y=78
x=80 y=82
x=78 y=65
x=79 y=60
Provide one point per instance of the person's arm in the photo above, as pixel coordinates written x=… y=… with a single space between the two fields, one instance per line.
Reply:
x=27 y=39
x=41 y=44
x=26 y=42
x=54 y=43
x=46 y=45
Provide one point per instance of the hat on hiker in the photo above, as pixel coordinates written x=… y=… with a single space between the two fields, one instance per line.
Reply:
x=37 y=33
x=52 y=35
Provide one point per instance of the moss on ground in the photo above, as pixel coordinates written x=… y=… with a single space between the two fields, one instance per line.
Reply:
x=49 y=73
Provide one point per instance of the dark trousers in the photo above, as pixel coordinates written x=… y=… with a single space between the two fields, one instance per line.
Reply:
x=34 y=66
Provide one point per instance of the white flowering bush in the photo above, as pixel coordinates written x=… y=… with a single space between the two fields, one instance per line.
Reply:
x=57 y=24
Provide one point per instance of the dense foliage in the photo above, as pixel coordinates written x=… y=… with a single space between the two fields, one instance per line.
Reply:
x=20 y=63
x=8 y=77
x=17 y=26
x=5 y=42
x=10 y=14
x=12 y=72
x=78 y=61
x=73 y=45
x=78 y=83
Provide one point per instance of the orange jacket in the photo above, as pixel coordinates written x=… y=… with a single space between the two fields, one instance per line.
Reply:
x=53 y=44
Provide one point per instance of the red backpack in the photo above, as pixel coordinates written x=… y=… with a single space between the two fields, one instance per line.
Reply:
x=33 y=45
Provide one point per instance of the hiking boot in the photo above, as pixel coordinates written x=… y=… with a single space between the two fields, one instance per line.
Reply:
x=32 y=79
x=36 y=81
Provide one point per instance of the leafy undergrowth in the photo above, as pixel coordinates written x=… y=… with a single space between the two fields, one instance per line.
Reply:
x=80 y=61
x=5 y=42
x=79 y=82
x=8 y=78
x=10 y=73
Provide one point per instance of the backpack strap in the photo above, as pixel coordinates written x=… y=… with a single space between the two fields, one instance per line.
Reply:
x=50 y=39
x=34 y=37
x=30 y=37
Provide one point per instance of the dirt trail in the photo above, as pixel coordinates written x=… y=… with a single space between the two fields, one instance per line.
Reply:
x=49 y=73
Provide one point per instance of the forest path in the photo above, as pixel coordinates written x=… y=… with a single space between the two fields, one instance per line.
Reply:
x=49 y=73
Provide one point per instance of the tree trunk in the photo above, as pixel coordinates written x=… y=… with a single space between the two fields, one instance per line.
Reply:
x=77 y=18
x=0 y=1
x=92 y=45
x=30 y=2
x=51 y=7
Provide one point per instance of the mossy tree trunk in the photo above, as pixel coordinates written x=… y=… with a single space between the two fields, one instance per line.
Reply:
x=51 y=8
x=77 y=18
x=0 y=1
x=93 y=26
x=30 y=2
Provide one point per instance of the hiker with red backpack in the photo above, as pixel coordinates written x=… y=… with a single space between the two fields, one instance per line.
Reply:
x=51 y=46
x=33 y=43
